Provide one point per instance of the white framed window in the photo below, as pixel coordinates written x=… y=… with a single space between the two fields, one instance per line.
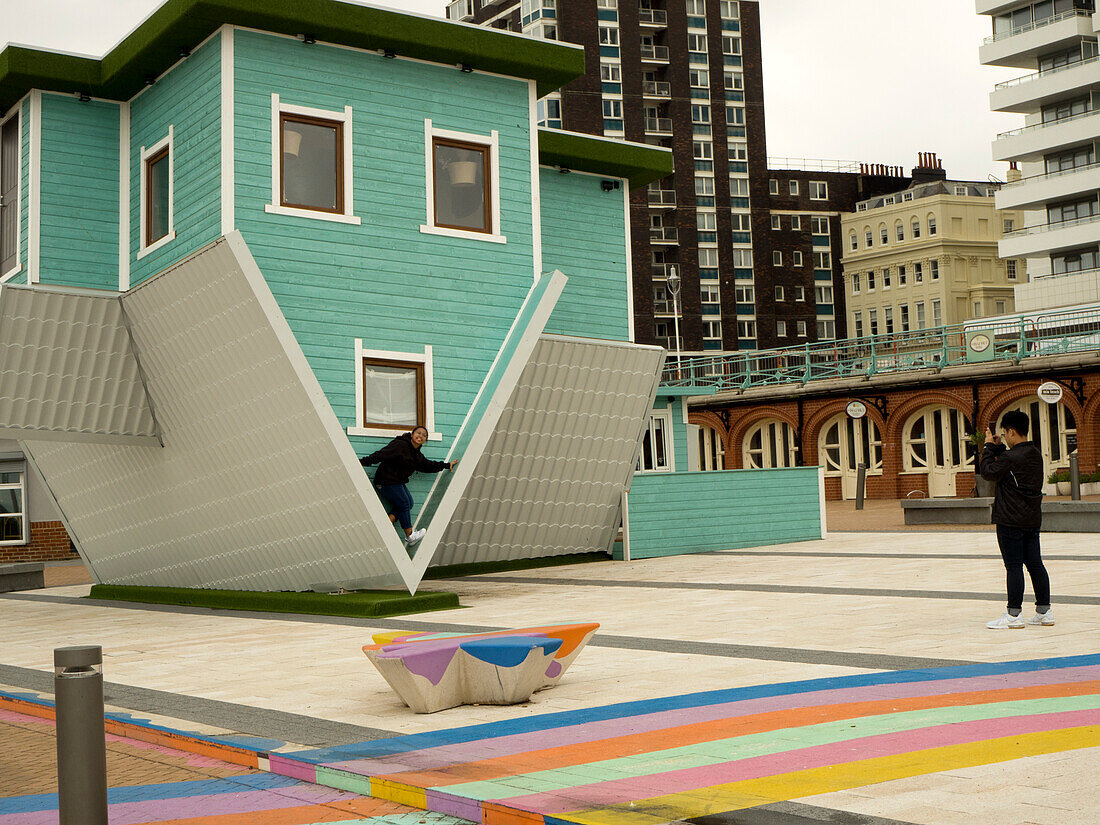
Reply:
x=918 y=272
x=1009 y=225
x=311 y=163
x=904 y=317
x=771 y=443
x=613 y=109
x=773 y=187
x=746 y=329
x=796 y=258
x=931 y=224
x=853 y=241
x=872 y=317
x=823 y=294
x=883 y=235
x=780 y=329
x=1010 y=269
x=916 y=228
x=855 y=283
x=793 y=187
x=934 y=270
x=712 y=330
x=704 y=185
x=819 y=190
x=609 y=36
x=735 y=115
x=657 y=444
x=13 y=500
x=157 y=193
x=706 y=221
x=920 y=315
x=818 y=225
x=703 y=150
x=700 y=113
x=739 y=187
x=742 y=258
x=826 y=329
x=775 y=222
x=777 y=258
x=800 y=293
x=741 y=222
x=937 y=315
x=729 y=9
x=869 y=239
x=901 y=275
x=744 y=293
x=607 y=4
x=858 y=323
x=709 y=293
x=394 y=392
x=960 y=190
x=699 y=78
x=823 y=260
x=899 y=231
x=708 y=258
x=999 y=307
x=886 y=278
x=697 y=42
x=888 y=319
x=697 y=7
x=462 y=177
x=779 y=294
x=800 y=328
x=548 y=112
x=738 y=150
x=796 y=222
x=906 y=196
x=611 y=73
x=734 y=81
x=731 y=45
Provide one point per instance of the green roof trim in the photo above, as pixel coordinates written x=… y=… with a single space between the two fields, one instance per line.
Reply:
x=637 y=162
x=180 y=25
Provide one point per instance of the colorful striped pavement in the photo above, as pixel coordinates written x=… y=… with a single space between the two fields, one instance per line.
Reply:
x=642 y=763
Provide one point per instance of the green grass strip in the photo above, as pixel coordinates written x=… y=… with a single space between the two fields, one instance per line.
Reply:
x=457 y=571
x=358 y=603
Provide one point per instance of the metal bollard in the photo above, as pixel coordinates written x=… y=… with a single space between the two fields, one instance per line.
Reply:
x=861 y=484
x=81 y=741
x=1074 y=478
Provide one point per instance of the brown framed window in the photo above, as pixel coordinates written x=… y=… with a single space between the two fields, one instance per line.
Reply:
x=311 y=168
x=394 y=394
x=462 y=185
x=158 y=195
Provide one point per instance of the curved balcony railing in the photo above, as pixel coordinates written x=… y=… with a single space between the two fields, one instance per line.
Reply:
x=1036 y=24
x=1027 y=78
x=1036 y=126
x=1053 y=226
x=1050 y=175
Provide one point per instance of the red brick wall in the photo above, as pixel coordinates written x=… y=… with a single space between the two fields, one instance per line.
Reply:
x=49 y=542
x=733 y=421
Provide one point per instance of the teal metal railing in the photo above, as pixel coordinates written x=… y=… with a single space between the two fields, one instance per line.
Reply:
x=1010 y=339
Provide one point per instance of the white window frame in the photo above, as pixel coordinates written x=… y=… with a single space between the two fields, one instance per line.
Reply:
x=424 y=358
x=796 y=258
x=824 y=190
x=278 y=108
x=146 y=153
x=490 y=141
x=9 y=466
x=669 y=443
x=773 y=186
x=800 y=329
x=792 y=187
x=780 y=329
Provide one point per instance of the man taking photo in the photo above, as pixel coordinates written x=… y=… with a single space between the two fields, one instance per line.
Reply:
x=1018 y=512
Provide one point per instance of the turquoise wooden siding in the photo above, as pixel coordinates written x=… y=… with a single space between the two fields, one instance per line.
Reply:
x=675 y=513
x=384 y=281
x=189 y=99
x=79 y=193
x=584 y=235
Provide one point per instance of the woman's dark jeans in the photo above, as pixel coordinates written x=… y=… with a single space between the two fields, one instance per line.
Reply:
x=399 y=501
x=1020 y=549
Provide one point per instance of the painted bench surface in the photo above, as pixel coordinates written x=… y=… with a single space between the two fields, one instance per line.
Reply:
x=435 y=671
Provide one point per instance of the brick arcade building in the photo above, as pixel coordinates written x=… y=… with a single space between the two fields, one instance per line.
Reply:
x=913 y=435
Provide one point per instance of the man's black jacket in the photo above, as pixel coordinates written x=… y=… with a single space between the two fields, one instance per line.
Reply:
x=1018 y=472
x=399 y=460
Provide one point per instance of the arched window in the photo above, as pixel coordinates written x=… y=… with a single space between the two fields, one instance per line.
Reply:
x=935 y=437
x=931 y=224
x=899 y=230
x=1053 y=429
x=846 y=442
x=769 y=444
x=883 y=235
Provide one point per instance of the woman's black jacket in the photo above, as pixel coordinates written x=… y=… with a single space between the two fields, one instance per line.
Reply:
x=398 y=460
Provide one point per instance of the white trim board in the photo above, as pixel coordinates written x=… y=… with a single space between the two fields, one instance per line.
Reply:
x=492 y=142
x=424 y=358
x=228 y=132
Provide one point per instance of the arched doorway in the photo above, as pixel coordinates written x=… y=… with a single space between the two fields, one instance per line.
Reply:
x=768 y=444
x=934 y=441
x=710 y=449
x=846 y=442
x=1053 y=427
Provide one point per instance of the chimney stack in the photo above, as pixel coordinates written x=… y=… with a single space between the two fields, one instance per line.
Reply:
x=1014 y=173
x=929 y=168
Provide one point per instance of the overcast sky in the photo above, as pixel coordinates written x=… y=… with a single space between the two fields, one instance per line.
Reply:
x=867 y=80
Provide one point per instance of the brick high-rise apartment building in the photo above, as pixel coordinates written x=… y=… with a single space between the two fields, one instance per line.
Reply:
x=757 y=251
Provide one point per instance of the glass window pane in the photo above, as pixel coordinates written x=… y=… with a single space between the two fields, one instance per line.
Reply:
x=156 y=180
x=461 y=184
x=11 y=501
x=390 y=395
x=311 y=164
x=11 y=528
x=16 y=478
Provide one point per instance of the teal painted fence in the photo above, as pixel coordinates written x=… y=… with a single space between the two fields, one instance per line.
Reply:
x=674 y=513
x=79 y=193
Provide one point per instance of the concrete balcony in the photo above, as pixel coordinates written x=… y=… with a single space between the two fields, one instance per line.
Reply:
x=652 y=18
x=658 y=126
x=1021 y=47
x=1039 y=241
x=654 y=54
x=656 y=88
x=1037 y=191
x=1027 y=94
x=662 y=198
x=663 y=235
x=1054 y=291
x=1030 y=143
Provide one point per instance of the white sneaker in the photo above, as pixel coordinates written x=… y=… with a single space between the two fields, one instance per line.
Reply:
x=1006 y=622
x=415 y=537
x=1044 y=619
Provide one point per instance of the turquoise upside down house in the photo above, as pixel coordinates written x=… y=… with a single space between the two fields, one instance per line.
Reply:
x=259 y=239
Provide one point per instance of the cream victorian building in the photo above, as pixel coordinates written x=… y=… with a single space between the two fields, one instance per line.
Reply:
x=927 y=256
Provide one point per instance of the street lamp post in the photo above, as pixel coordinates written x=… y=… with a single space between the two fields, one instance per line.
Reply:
x=673 y=281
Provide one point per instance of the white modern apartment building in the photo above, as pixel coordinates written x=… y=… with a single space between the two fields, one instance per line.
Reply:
x=1055 y=41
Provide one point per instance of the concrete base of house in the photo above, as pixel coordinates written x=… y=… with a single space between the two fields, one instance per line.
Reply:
x=1058 y=516
x=22 y=576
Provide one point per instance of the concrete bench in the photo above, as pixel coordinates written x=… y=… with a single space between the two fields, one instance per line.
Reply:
x=22 y=576
x=435 y=671
x=1058 y=516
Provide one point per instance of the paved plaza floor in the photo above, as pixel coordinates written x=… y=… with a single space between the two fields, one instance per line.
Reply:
x=850 y=680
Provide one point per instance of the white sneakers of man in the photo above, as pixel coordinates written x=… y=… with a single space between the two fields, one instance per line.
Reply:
x=1010 y=622
x=415 y=537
